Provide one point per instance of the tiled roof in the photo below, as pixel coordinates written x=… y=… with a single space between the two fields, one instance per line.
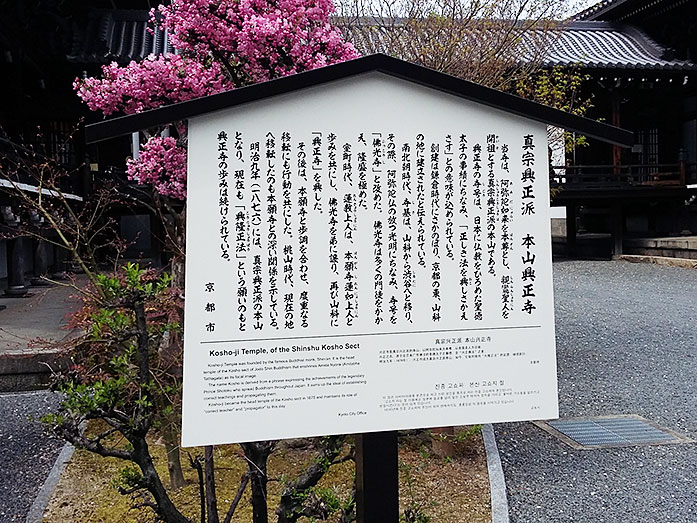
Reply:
x=117 y=35
x=123 y=35
x=596 y=9
x=633 y=11
x=588 y=44
x=382 y=63
x=603 y=45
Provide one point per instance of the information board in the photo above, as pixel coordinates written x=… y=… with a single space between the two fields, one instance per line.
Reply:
x=365 y=255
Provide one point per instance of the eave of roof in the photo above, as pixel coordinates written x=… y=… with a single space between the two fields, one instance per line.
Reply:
x=119 y=35
x=377 y=62
x=605 y=45
x=625 y=10
x=18 y=186
x=125 y=35
x=599 y=9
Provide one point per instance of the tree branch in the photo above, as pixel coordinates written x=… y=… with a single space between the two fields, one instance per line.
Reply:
x=238 y=496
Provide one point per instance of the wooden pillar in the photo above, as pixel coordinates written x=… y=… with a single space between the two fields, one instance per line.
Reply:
x=3 y=307
x=156 y=234
x=617 y=229
x=377 y=478
x=571 y=230
x=40 y=264
x=16 y=266
x=60 y=255
x=616 y=211
x=616 y=121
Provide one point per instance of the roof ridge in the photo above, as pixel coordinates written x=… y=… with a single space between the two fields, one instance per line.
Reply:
x=608 y=44
x=588 y=25
x=135 y=15
x=380 y=63
x=597 y=8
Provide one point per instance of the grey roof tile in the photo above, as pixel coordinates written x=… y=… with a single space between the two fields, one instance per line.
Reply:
x=119 y=35
x=605 y=45
x=124 y=35
x=594 y=10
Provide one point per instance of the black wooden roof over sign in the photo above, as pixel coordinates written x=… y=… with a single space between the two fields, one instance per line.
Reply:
x=372 y=63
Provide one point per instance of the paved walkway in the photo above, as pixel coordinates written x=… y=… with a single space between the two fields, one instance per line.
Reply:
x=27 y=454
x=626 y=344
x=29 y=325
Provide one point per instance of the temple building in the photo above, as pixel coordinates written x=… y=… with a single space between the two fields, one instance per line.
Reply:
x=641 y=56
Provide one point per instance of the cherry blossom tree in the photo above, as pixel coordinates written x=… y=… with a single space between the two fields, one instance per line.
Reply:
x=221 y=45
x=155 y=81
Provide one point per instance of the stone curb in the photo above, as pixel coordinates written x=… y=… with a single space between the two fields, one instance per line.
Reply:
x=686 y=263
x=22 y=372
x=36 y=512
x=497 y=482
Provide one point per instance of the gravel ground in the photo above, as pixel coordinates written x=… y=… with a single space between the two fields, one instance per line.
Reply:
x=27 y=454
x=626 y=344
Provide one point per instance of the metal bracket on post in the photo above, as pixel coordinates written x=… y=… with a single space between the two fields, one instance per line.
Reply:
x=377 y=478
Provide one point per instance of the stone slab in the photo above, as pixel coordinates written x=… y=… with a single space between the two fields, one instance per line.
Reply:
x=660 y=260
x=30 y=329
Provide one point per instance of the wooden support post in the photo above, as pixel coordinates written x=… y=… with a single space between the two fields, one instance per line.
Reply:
x=377 y=478
x=60 y=255
x=40 y=264
x=571 y=230
x=16 y=265
x=156 y=235
x=616 y=121
x=617 y=229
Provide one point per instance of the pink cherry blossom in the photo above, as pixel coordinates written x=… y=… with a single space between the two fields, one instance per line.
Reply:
x=161 y=163
x=260 y=39
x=155 y=81
x=222 y=44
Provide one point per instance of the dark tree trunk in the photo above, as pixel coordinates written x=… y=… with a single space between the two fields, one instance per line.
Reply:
x=196 y=464
x=141 y=453
x=211 y=500
x=291 y=508
x=151 y=480
x=172 y=354
x=170 y=438
x=236 y=500
x=143 y=345
x=258 y=454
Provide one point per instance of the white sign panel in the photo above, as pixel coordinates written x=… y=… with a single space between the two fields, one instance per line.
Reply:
x=365 y=255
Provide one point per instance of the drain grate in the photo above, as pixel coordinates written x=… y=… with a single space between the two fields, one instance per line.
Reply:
x=610 y=431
